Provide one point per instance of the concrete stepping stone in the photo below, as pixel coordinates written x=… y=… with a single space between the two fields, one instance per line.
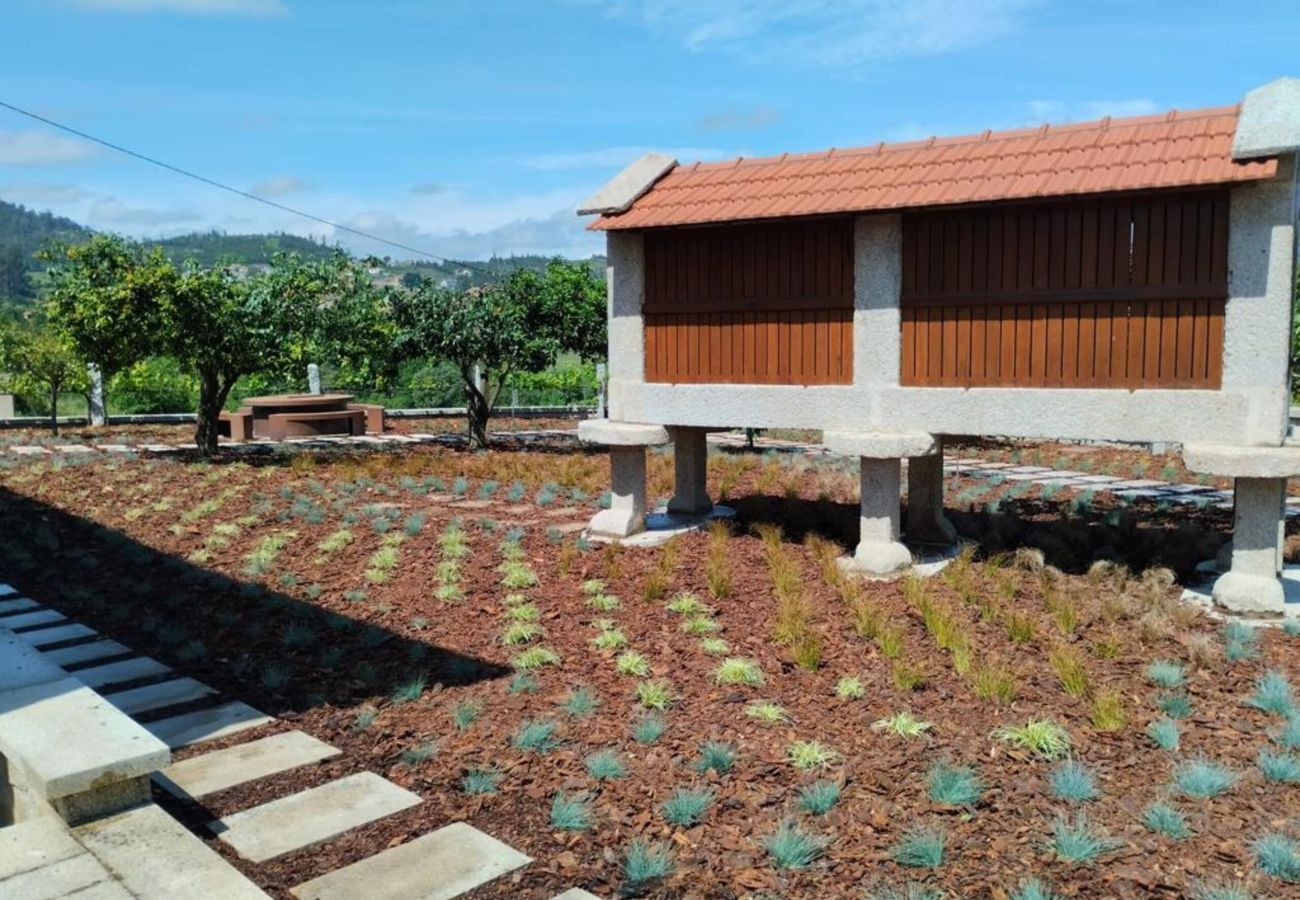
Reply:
x=575 y=894
x=438 y=866
x=202 y=775
x=7 y=590
x=154 y=857
x=84 y=653
x=21 y=604
x=207 y=724
x=34 y=618
x=29 y=451
x=309 y=817
x=156 y=696
x=123 y=670
x=44 y=637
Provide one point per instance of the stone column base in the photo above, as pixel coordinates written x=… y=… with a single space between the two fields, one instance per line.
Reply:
x=627 y=502
x=926 y=523
x=690 y=472
x=878 y=559
x=1244 y=593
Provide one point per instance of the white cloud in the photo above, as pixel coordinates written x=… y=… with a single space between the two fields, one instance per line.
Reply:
x=615 y=157
x=34 y=147
x=37 y=194
x=834 y=33
x=113 y=212
x=279 y=186
x=258 y=8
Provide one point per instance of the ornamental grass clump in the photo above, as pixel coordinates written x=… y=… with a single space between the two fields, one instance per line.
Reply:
x=645 y=862
x=952 y=785
x=581 y=703
x=1239 y=642
x=1033 y=889
x=1071 y=781
x=480 y=781
x=1108 y=711
x=716 y=755
x=850 y=688
x=902 y=724
x=1214 y=890
x=409 y=690
x=610 y=639
x=535 y=658
x=1202 y=779
x=466 y=714
x=1164 y=734
x=516 y=633
x=1283 y=768
x=810 y=755
x=1289 y=736
x=1165 y=820
x=605 y=765
x=1041 y=737
x=686 y=806
x=536 y=737
x=570 y=813
x=735 y=670
x=1279 y=856
x=1273 y=694
x=1078 y=841
x=714 y=646
x=648 y=728
x=791 y=847
x=767 y=712
x=630 y=662
x=1070 y=671
x=818 y=798
x=921 y=847
x=1167 y=674
x=1175 y=705
x=655 y=694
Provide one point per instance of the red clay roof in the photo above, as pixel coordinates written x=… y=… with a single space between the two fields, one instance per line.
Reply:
x=1176 y=149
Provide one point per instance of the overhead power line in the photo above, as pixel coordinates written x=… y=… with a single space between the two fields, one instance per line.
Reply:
x=211 y=182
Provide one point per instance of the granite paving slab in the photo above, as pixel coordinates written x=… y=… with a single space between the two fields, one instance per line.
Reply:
x=117 y=672
x=199 y=776
x=86 y=653
x=207 y=724
x=17 y=605
x=57 y=634
x=157 y=696
x=34 y=618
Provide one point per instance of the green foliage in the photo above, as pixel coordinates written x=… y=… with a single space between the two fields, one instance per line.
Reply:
x=570 y=813
x=810 y=755
x=1273 y=694
x=630 y=662
x=850 y=688
x=1202 y=779
x=716 y=755
x=536 y=737
x=714 y=646
x=954 y=785
x=418 y=753
x=1041 y=737
x=768 y=712
x=409 y=690
x=480 y=781
x=1239 y=642
x=648 y=728
x=921 y=847
x=1289 y=736
x=737 y=670
x=1165 y=820
x=1166 y=674
x=790 y=847
x=1072 y=781
x=535 y=658
x=604 y=765
x=647 y=861
x=902 y=724
x=1279 y=856
x=1164 y=733
x=1078 y=841
x=1209 y=890
x=40 y=365
x=686 y=806
x=522 y=683
x=516 y=633
x=818 y=798
x=1175 y=705
x=581 y=703
x=466 y=713
x=1033 y=889
x=656 y=694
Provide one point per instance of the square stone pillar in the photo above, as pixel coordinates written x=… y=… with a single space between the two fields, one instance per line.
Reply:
x=1259 y=516
x=690 y=472
x=880 y=550
x=926 y=522
x=627 y=500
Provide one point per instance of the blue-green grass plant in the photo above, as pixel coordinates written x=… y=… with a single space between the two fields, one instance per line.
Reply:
x=716 y=755
x=536 y=737
x=646 y=862
x=1273 y=694
x=1279 y=856
x=1164 y=734
x=1167 y=674
x=605 y=765
x=686 y=806
x=648 y=728
x=818 y=798
x=1033 y=889
x=1281 y=767
x=1202 y=778
x=954 y=785
x=1072 y=781
x=792 y=847
x=1166 y=820
x=1077 y=841
x=921 y=847
x=570 y=813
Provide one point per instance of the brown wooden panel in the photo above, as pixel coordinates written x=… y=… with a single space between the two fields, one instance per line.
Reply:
x=1123 y=292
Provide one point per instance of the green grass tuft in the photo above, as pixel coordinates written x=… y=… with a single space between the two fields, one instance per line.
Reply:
x=686 y=806
x=810 y=755
x=902 y=724
x=536 y=737
x=1078 y=841
x=466 y=714
x=738 y=670
x=954 y=785
x=714 y=646
x=818 y=798
x=1041 y=737
x=1281 y=767
x=790 y=847
x=1289 y=736
x=409 y=691
x=767 y=712
x=535 y=658
x=1165 y=820
x=655 y=694
x=1176 y=705
x=850 y=688
x=1072 y=781
x=480 y=781
x=921 y=847
x=716 y=755
x=630 y=662
x=1033 y=889
x=1167 y=674
x=581 y=703
x=522 y=683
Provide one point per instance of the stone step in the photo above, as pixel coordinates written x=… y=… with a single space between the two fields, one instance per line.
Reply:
x=207 y=724
x=117 y=672
x=156 y=696
x=57 y=634
x=35 y=617
x=156 y=858
x=84 y=653
x=21 y=604
x=39 y=859
x=438 y=866
x=309 y=817
x=202 y=775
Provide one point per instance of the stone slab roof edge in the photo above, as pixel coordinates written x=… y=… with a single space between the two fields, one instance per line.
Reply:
x=1269 y=123
x=620 y=192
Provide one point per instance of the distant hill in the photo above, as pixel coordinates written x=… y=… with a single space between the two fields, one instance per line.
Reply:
x=24 y=231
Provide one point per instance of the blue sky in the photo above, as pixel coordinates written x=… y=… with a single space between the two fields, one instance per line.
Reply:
x=471 y=128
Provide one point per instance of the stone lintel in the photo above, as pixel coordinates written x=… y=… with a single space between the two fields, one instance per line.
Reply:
x=1243 y=462
x=621 y=434
x=619 y=193
x=880 y=444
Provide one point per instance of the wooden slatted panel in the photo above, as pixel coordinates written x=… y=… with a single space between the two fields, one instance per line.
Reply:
x=750 y=304
x=1125 y=293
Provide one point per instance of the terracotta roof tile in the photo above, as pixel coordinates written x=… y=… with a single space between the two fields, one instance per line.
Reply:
x=1175 y=149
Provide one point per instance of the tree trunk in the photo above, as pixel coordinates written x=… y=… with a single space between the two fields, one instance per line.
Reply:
x=54 y=408
x=212 y=399
x=478 y=412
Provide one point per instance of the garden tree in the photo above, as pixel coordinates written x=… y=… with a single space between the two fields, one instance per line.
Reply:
x=40 y=361
x=224 y=326
x=519 y=326
x=107 y=297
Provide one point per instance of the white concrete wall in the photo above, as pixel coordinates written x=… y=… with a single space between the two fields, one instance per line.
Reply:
x=1250 y=408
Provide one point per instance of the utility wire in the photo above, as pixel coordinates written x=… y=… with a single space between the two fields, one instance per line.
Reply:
x=234 y=190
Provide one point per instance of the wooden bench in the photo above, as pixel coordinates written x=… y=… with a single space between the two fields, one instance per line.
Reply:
x=309 y=424
x=64 y=750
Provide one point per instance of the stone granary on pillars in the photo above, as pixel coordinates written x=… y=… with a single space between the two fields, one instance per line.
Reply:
x=1124 y=279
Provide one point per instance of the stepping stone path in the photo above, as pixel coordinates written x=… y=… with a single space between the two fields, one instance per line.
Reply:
x=202 y=775
x=438 y=866
x=311 y=816
x=147 y=853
